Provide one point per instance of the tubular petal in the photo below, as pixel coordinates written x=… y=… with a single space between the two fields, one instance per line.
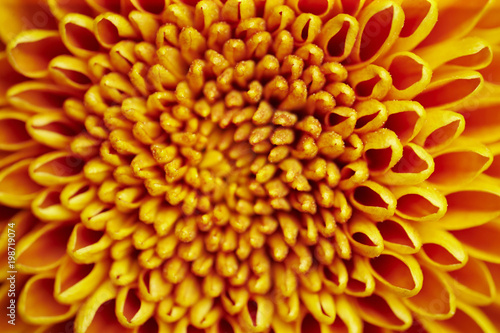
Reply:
x=16 y=187
x=385 y=311
x=31 y=51
x=39 y=290
x=419 y=203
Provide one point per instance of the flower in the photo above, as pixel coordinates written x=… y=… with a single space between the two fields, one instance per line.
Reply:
x=251 y=166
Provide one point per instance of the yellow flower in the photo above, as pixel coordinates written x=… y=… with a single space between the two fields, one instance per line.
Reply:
x=250 y=166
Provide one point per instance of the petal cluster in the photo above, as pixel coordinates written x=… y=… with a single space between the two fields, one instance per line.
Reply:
x=252 y=166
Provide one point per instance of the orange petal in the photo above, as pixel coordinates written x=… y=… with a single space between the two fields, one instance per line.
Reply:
x=473 y=283
x=425 y=302
x=16 y=187
x=38 y=96
x=480 y=241
x=13 y=134
x=37 y=304
x=70 y=72
x=60 y=8
x=399 y=273
x=373 y=199
x=364 y=236
x=448 y=89
x=57 y=167
x=361 y=282
x=410 y=75
x=439 y=130
x=399 y=235
x=9 y=77
x=384 y=310
x=31 y=51
x=460 y=163
x=482 y=121
x=441 y=249
x=419 y=203
x=471 y=205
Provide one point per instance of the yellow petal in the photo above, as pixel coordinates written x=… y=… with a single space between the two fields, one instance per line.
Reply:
x=55 y=168
x=401 y=274
x=364 y=236
x=31 y=51
x=337 y=37
x=18 y=16
x=47 y=207
x=34 y=252
x=399 y=235
x=373 y=199
x=77 y=34
x=9 y=77
x=60 y=8
x=87 y=246
x=98 y=312
x=37 y=304
x=110 y=28
x=131 y=310
x=425 y=302
x=74 y=282
x=419 y=203
x=482 y=121
x=388 y=17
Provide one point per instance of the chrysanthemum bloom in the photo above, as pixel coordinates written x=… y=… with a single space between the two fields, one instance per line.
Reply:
x=251 y=166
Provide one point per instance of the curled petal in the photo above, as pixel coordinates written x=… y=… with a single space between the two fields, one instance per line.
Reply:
x=473 y=283
x=334 y=276
x=405 y=118
x=76 y=196
x=56 y=168
x=471 y=205
x=425 y=302
x=373 y=199
x=47 y=207
x=448 y=89
x=305 y=28
x=320 y=8
x=439 y=130
x=31 y=51
x=370 y=82
x=441 y=249
x=205 y=313
x=60 y=8
x=364 y=236
x=361 y=282
x=74 y=282
x=382 y=150
x=37 y=304
x=170 y=312
x=43 y=248
x=410 y=75
x=257 y=314
x=371 y=115
x=380 y=24
x=98 y=312
x=384 y=310
x=13 y=133
x=16 y=187
x=70 y=72
x=338 y=36
x=110 y=28
x=52 y=129
x=76 y=31
x=131 y=310
x=420 y=18
x=413 y=168
x=419 y=203
x=321 y=305
x=152 y=285
x=399 y=235
x=399 y=273
x=153 y=7
x=87 y=246
x=39 y=96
